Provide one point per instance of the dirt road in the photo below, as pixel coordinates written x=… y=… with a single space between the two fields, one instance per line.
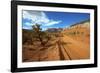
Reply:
x=67 y=48
x=62 y=48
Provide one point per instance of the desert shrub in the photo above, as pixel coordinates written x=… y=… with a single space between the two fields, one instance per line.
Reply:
x=40 y=35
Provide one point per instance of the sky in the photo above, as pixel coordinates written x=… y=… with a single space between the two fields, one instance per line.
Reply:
x=48 y=19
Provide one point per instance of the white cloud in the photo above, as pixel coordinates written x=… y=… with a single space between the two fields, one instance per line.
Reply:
x=28 y=24
x=44 y=29
x=52 y=23
x=27 y=27
x=38 y=17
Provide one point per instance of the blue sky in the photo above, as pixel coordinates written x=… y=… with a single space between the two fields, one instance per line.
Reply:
x=49 y=19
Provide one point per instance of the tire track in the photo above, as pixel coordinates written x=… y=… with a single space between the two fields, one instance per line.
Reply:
x=61 y=53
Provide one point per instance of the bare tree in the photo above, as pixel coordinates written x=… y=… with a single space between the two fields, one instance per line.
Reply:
x=38 y=33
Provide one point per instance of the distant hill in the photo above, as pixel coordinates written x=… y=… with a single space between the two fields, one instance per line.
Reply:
x=78 y=29
x=54 y=29
x=85 y=23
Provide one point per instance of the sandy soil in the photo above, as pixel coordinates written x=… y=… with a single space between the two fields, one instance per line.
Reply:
x=65 y=47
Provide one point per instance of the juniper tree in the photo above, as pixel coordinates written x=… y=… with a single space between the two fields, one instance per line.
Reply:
x=38 y=33
x=42 y=36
